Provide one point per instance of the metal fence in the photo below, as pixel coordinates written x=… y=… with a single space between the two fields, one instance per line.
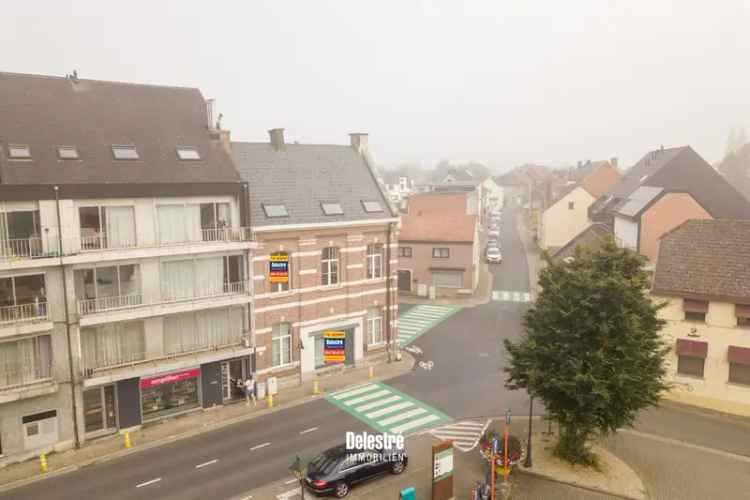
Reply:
x=18 y=374
x=37 y=311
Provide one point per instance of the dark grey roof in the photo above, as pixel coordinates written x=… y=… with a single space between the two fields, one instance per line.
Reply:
x=302 y=177
x=677 y=169
x=462 y=175
x=592 y=235
x=639 y=200
x=46 y=112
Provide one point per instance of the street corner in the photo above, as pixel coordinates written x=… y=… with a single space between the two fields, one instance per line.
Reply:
x=614 y=476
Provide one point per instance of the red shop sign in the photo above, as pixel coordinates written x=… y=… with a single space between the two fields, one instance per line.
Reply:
x=169 y=379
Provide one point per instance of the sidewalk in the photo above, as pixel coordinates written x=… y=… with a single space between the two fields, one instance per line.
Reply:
x=166 y=431
x=533 y=257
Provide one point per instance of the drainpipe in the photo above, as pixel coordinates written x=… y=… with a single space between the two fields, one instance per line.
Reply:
x=388 y=292
x=245 y=217
x=67 y=320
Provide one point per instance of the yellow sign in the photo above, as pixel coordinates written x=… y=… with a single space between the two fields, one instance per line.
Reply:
x=279 y=257
x=334 y=334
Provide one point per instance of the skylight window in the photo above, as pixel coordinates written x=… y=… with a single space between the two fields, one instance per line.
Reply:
x=372 y=206
x=332 y=208
x=188 y=154
x=275 y=210
x=125 y=152
x=67 y=152
x=19 y=151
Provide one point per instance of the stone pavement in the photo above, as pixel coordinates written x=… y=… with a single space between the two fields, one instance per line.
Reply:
x=166 y=431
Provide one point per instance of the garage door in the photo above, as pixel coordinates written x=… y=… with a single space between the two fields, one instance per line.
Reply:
x=447 y=279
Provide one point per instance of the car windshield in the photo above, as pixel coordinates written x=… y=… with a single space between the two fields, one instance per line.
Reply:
x=325 y=463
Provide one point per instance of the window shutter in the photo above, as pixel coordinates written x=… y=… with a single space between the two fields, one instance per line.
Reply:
x=739 y=355
x=692 y=348
x=742 y=310
x=696 y=306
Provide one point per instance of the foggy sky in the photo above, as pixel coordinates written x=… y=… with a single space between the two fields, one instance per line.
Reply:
x=500 y=81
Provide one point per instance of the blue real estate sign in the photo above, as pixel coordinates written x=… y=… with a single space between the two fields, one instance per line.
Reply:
x=334 y=347
x=279 y=268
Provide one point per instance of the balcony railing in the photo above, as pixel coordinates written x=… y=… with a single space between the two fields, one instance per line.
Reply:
x=227 y=234
x=37 y=311
x=174 y=295
x=102 y=242
x=90 y=306
x=14 y=375
x=25 y=248
x=107 y=361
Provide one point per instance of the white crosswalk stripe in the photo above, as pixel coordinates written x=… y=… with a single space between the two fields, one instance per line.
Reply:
x=465 y=434
x=511 y=296
x=419 y=319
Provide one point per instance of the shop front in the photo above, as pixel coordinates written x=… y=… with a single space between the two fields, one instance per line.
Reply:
x=313 y=360
x=169 y=394
x=100 y=410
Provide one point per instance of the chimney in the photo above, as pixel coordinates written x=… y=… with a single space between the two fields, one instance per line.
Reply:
x=210 y=113
x=358 y=141
x=613 y=161
x=277 y=139
x=580 y=163
x=226 y=141
x=588 y=162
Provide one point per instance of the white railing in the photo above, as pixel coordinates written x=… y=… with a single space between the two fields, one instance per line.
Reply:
x=25 y=312
x=13 y=375
x=227 y=234
x=237 y=288
x=102 y=242
x=25 y=248
x=90 y=306
x=111 y=360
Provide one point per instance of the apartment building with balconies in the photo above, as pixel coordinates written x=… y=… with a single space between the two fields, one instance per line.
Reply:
x=124 y=290
x=319 y=210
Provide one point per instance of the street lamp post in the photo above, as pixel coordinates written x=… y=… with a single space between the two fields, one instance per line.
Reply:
x=527 y=462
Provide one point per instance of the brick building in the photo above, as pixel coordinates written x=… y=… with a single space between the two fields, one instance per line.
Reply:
x=320 y=207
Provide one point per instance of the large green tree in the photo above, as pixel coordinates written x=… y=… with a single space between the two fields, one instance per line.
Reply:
x=591 y=349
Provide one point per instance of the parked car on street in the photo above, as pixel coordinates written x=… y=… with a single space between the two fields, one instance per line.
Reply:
x=336 y=470
x=494 y=256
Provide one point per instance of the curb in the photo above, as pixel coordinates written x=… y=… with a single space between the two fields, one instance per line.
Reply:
x=592 y=489
x=407 y=358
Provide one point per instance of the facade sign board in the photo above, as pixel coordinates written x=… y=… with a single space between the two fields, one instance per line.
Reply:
x=334 y=347
x=146 y=383
x=278 y=271
x=442 y=471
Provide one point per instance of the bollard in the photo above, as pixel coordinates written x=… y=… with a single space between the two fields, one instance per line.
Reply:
x=127 y=440
x=316 y=387
x=270 y=400
x=43 y=462
x=372 y=372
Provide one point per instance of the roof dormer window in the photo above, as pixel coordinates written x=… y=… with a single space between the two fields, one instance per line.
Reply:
x=186 y=153
x=67 y=152
x=332 y=208
x=125 y=152
x=275 y=210
x=372 y=206
x=19 y=151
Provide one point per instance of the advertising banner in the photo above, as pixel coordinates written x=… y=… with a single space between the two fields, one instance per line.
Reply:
x=145 y=383
x=278 y=271
x=334 y=347
x=442 y=470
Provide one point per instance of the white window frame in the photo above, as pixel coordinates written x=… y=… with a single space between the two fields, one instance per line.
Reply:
x=374 y=261
x=326 y=264
x=282 y=333
x=375 y=319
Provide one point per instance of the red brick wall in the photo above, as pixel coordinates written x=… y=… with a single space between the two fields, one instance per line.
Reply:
x=461 y=255
x=668 y=212
x=333 y=301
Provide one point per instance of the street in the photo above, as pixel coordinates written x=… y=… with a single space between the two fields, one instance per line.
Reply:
x=465 y=381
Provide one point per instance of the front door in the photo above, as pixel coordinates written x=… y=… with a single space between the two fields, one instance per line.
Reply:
x=349 y=347
x=100 y=409
x=404 y=281
x=231 y=372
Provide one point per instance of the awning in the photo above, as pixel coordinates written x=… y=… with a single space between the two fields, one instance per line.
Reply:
x=739 y=355
x=696 y=306
x=742 y=310
x=692 y=348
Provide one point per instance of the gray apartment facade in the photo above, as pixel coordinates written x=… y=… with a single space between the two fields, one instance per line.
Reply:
x=125 y=296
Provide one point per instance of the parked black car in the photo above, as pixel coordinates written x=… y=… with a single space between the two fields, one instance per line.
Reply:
x=336 y=470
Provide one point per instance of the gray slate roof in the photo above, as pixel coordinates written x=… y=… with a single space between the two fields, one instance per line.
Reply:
x=45 y=112
x=592 y=235
x=639 y=200
x=304 y=176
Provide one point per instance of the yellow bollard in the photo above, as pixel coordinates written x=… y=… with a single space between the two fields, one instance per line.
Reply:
x=270 y=400
x=43 y=462
x=372 y=373
x=316 y=387
x=127 y=440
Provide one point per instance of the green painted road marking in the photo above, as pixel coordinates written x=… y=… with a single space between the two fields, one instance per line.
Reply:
x=419 y=319
x=386 y=409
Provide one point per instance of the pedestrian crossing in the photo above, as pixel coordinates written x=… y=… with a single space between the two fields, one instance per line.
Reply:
x=465 y=434
x=387 y=410
x=509 y=296
x=419 y=319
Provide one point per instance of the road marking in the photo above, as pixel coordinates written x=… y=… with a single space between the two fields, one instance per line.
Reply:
x=465 y=434
x=210 y=462
x=361 y=390
x=722 y=453
x=290 y=481
x=402 y=416
x=287 y=495
x=511 y=296
x=375 y=404
x=259 y=446
x=414 y=423
x=367 y=397
x=390 y=409
x=311 y=429
x=148 y=482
